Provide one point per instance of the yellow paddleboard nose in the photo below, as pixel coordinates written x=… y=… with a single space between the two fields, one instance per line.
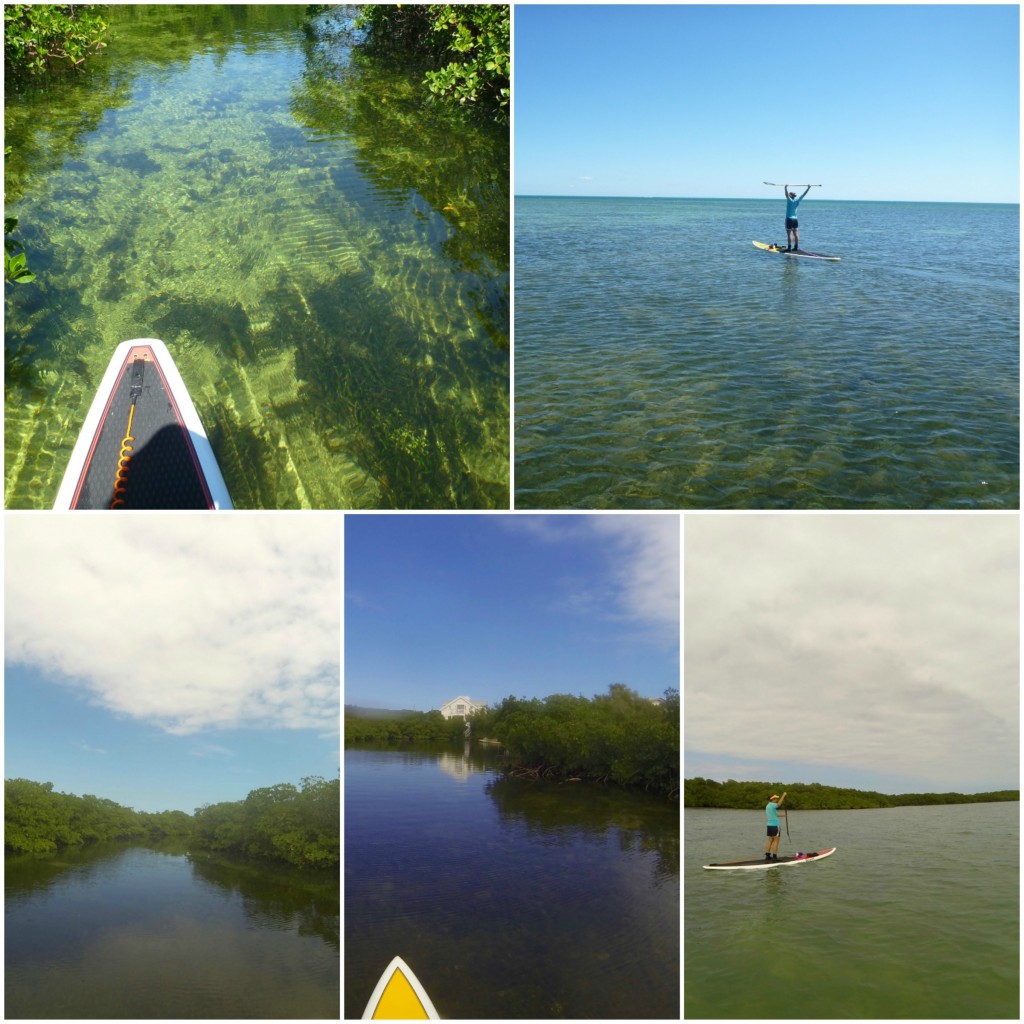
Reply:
x=399 y=996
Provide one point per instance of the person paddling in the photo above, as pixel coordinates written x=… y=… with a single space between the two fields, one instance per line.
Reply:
x=792 y=228
x=771 y=846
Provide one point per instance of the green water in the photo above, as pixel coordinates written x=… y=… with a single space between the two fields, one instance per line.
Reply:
x=915 y=916
x=325 y=255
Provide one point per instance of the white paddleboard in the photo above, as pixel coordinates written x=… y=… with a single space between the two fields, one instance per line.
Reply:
x=142 y=445
x=763 y=863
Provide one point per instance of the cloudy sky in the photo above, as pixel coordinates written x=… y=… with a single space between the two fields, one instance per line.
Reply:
x=878 y=652
x=490 y=606
x=167 y=661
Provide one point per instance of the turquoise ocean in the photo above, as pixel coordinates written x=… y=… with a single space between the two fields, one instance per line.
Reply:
x=661 y=361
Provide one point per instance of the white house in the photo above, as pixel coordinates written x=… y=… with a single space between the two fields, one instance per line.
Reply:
x=461 y=707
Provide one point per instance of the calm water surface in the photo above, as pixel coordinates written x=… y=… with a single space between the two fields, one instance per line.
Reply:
x=664 y=362
x=916 y=915
x=131 y=932
x=325 y=256
x=509 y=899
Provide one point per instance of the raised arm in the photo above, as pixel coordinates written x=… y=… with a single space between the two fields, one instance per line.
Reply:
x=783 y=797
x=806 y=190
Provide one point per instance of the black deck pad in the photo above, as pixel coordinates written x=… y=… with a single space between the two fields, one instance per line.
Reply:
x=162 y=470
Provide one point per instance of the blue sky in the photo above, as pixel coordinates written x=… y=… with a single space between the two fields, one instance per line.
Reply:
x=489 y=606
x=878 y=652
x=876 y=102
x=165 y=662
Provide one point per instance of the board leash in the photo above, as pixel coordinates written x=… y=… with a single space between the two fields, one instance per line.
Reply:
x=125 y=458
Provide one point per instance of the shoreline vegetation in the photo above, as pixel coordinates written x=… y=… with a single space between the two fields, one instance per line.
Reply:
x=467 y=46
x=41 y=39
x=733 y=795
x=619 y=737
x=282 y=824
x=465 y=50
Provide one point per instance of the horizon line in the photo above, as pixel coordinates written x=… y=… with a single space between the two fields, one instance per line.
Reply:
x=856 y=789
x=752 y=199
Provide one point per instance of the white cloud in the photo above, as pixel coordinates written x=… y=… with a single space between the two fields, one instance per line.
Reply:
x=641 y=553
x=189 y=622
x=214 y=750
x=645 y=556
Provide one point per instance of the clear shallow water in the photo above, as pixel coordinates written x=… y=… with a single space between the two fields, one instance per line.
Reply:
x=509 y=899
x=664 y=362
x=325 y=257
x=916 y=915
x=114 y=932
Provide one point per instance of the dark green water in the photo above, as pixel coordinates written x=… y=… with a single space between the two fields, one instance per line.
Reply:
x=325 y=256
x=508 y=898
x=115 y=932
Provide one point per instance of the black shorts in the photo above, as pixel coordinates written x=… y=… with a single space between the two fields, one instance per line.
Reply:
x=773 y=830
x=791 y=223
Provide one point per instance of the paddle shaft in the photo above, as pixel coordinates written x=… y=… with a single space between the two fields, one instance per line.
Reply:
x=779 y=184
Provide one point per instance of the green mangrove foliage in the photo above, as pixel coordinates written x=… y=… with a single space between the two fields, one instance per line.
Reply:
x=43 y=37
x=461 y=168
x=467 y=45
x=403 y=727
x=617 y=737
x=38 y=820
x=15 y=261
x=698 y=792
x=301 y=827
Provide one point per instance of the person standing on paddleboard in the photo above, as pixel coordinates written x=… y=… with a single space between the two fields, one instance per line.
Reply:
x=792 y=228
x=771 y=846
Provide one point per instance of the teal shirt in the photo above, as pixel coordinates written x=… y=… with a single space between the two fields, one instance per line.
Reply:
x=791 y=205
x=772 y=810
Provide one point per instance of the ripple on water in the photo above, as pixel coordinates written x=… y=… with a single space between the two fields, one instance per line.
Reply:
x=238 y=197
x=651 y=372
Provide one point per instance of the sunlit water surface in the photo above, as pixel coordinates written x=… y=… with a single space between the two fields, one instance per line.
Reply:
x=664 y=362
x=325 y=255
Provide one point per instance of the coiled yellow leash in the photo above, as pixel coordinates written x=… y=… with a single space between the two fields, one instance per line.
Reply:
x=125 y=458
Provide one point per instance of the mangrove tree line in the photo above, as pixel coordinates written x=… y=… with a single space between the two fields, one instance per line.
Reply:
x=38 y=820
x=402 y=727
x=617 y=737
x=698 y=792
x=294 y=825
x=298 y=826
